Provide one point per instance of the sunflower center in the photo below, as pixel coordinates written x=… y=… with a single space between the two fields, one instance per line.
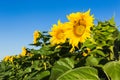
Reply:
x=79 y=30
x=60 y=34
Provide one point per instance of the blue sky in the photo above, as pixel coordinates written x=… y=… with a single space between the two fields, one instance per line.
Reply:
x=20 y=18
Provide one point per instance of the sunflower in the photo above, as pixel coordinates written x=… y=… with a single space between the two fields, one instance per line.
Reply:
x=58 y=33
x=36 y=36
x=24 y=51
x=6 y=58
x=79 y=27
x=9 y=58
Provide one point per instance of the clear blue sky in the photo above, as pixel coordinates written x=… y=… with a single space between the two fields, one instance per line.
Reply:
x=19 y=18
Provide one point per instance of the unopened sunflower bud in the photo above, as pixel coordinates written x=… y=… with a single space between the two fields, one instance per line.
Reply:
x=44 y=65
x=88 y=49
x=38 y=57
x=32 y=62
x=42 y=56
x=84 y=54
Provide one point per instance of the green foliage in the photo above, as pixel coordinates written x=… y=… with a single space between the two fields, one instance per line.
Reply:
x=60 y=67
x=98 y=58
x=64 y=69
x=90 y=60
x=81 y=73
x=112 y=70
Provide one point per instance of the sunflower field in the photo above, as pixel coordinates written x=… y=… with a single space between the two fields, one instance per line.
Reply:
x=73 y=50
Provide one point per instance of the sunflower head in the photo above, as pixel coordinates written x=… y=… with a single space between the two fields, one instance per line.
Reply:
x=9 y=58
x=24 y=51
x=6 y=58
x=79 y=29
x=58 y=33
x=36 y=36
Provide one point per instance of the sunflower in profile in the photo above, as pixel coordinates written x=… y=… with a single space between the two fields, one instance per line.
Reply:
x=24 y=51
x=36 y=36
x=79 y=27
x=9 y=58
x=6 y=58
x=58 y=33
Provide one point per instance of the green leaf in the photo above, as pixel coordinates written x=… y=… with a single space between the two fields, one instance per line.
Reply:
x=45 y=50
x=37 y=44
x=28 y=69
x=81 y=73
x=112 y=69
x=41 y=75
x=91 y=61
x=97 y=51
x=119 y=36
x=91 y=46
x=112 y=22
x=111 y=29
x=89 y=43
x=2 y=66
x=61 y=67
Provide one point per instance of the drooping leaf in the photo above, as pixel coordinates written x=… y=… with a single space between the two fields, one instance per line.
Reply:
x=41 y=75
x=112 y=69
x=97 y=51
x=81 y=73
x=61 y=67
x=37 y=75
